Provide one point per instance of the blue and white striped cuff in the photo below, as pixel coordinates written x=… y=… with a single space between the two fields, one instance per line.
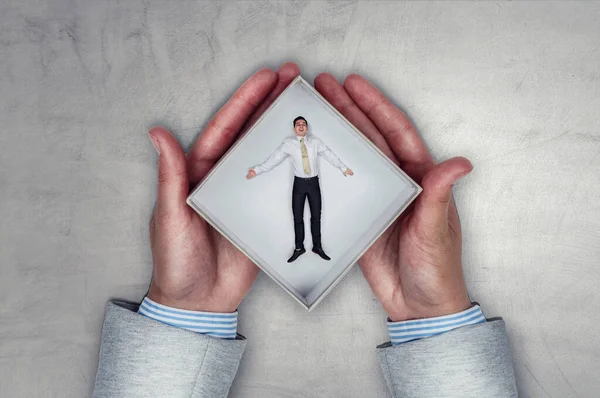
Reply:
x=214 y=324
x=404 y=331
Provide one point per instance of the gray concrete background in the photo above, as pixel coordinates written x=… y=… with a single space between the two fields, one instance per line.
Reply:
x=513 y=86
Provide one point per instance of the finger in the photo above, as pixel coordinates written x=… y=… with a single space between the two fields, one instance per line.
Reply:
x=397 y=129
x=431 y=208
x=285 y=75
x=224 y=127
x=172 y=172
x=337 y=96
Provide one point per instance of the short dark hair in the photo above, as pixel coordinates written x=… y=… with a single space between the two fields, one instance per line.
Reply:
x=300 y=118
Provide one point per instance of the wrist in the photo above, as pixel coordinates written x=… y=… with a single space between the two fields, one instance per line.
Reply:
x=421 y=311
x=405 y=331
x=189 y=302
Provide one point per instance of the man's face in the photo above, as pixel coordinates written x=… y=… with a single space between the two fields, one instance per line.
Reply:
x=300 y=128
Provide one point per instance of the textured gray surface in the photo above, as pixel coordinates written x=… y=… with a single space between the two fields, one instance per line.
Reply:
x=514 y=87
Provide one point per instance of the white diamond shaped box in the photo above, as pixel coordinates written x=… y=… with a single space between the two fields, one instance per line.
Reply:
x=303 y=194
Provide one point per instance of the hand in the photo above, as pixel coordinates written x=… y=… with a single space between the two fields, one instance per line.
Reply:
x=251 y=174
x=195 y=267
x=348 y=172
x=415 y=267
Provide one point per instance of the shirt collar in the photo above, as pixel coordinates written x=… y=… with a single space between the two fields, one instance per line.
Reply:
x=299 y=138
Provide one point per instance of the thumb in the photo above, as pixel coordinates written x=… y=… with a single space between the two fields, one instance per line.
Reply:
x=173 y=184
x=431 y=209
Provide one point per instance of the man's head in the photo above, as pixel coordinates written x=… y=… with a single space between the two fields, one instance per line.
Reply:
x=300 y=126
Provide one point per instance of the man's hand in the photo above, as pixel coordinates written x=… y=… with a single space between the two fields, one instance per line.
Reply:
x=415 y=267
x=251 y=174
x=348 y=172
x=195 y=267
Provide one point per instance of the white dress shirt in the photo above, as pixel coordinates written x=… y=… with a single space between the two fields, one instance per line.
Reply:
x=291 y=147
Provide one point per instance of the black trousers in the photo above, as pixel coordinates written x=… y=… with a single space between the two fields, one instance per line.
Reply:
x=307 y=188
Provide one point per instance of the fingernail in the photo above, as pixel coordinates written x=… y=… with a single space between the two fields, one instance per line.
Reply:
x=463 y=174
x=155 y=143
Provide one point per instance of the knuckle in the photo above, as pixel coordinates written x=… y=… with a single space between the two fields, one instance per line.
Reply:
x=225 y=130
x=403 y=125
x=166 y=176
x=163 y=176
x=440 y=238
x=429 y=178
x=434 y=237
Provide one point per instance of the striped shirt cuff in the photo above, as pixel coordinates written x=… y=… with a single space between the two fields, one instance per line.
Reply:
x=405 y=331
x=214 y=324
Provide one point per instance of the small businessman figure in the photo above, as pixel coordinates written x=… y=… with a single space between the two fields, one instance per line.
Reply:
x=303 y=152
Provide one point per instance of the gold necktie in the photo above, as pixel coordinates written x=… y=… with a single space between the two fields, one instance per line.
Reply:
x=305 y=162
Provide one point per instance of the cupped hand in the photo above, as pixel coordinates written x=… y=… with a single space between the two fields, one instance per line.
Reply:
x=195 y=267
x=251 y=174
x=348 y=172
x=415 y=267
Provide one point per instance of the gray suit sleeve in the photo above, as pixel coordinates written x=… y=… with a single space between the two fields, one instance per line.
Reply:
x=141 y=357
x=471 y=361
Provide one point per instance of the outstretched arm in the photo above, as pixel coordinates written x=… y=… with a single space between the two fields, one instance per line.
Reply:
x=332 y=158
x=276 y=157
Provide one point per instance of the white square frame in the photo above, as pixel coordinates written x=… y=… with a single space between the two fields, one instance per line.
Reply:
x=330 y=283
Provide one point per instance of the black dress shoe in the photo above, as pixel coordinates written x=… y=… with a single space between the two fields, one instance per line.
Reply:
x=297 y=253
x=321 y=253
